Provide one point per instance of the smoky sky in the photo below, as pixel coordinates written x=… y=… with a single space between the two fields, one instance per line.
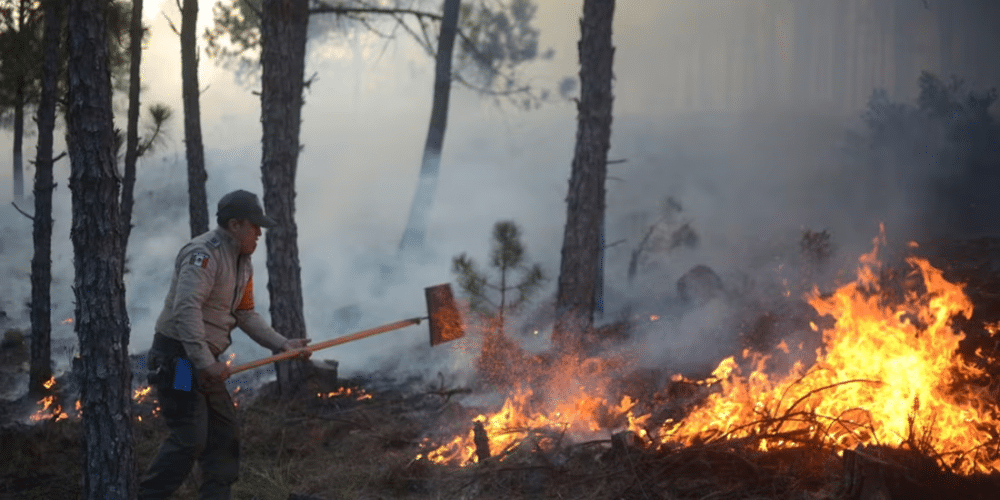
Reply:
x=747 y=114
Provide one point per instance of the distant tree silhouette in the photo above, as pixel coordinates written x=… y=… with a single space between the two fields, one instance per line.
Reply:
x=946 y=145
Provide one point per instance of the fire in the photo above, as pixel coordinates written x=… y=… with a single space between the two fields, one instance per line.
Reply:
x=887 y=374
x=142 y=396
x=358 y=393
x=516 y=421
x=67 y=321
x=993 y=328
x=884 y=376
x=50 y=410
x=229 y=361
x=141 y=393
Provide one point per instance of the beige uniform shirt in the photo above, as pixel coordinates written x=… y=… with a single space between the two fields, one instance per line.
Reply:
x=211 y=293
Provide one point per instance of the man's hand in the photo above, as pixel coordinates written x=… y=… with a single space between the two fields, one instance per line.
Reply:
x=299 y=346
x=217 y=371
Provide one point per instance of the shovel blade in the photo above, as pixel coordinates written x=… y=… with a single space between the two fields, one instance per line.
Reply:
x=443 y=316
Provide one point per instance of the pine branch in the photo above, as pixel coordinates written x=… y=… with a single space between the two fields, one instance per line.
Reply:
x=26 y=214
x=325 y=8
x=170 y=22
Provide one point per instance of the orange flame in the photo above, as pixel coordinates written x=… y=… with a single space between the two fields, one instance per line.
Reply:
x=882 y=375
x=50 y=410
x=67 y=321
x=141 y=393
x=885 y=375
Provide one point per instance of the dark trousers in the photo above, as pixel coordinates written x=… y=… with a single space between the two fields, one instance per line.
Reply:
x=202 y=425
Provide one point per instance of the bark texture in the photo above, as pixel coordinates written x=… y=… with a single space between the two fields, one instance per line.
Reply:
x=41 y=261
x=197 y=176
x=132 y=127
x=581 y=250
x=430 y=164
x=101 y=319
x=283 y=33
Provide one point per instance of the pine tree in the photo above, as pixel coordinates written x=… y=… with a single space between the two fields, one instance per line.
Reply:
x=101 y=317
x=582 y=239
x=283 y=32
x=493 y=300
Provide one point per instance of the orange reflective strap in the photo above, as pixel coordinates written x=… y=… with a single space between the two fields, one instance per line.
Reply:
x=247 y=301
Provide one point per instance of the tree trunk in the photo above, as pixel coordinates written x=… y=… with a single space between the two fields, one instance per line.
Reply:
x=132 y=128
x=581 y=250
x=283 y=35
x=198 y=199
x=101 y=319
x=430 y=164
x=41 y=261
x=18 y=138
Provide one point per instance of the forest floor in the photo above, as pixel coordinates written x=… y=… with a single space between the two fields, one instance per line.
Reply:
x=363 y=444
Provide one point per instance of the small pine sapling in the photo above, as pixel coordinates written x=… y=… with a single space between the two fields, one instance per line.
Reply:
x=495 y=300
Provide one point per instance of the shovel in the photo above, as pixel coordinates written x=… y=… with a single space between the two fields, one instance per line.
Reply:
x=444 y=320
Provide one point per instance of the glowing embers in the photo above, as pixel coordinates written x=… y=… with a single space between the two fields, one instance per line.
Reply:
x=144 y=403
x=357 y=393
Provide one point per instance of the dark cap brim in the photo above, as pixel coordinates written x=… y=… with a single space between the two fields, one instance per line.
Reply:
x=263 y=220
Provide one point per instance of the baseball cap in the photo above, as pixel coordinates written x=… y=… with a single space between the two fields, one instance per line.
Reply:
x=242 y=204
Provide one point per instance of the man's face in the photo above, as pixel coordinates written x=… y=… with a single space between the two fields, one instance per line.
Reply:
x=246 y=234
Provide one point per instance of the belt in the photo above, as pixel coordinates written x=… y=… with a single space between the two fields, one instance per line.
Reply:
x=167 y=347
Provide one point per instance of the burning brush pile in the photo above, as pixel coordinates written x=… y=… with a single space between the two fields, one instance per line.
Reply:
x=888 y=405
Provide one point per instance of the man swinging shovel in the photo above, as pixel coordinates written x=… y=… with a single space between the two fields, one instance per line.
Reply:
x=211 y=292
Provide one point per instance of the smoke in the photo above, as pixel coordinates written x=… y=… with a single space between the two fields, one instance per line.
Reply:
x=748 y=179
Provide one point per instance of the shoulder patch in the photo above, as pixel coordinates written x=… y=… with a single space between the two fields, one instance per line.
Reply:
x=199 y=259
x=214 y=242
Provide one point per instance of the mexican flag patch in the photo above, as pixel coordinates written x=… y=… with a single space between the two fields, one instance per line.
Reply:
x=199 y=259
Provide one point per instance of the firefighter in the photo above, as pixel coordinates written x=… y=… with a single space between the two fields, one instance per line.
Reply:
x=211 y=292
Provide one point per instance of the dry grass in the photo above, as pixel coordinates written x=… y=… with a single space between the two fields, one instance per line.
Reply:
x=41 y=461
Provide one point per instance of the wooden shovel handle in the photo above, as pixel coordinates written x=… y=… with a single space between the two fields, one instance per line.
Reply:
x=328 y=343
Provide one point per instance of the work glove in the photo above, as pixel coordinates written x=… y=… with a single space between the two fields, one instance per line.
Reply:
x=297 y=345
